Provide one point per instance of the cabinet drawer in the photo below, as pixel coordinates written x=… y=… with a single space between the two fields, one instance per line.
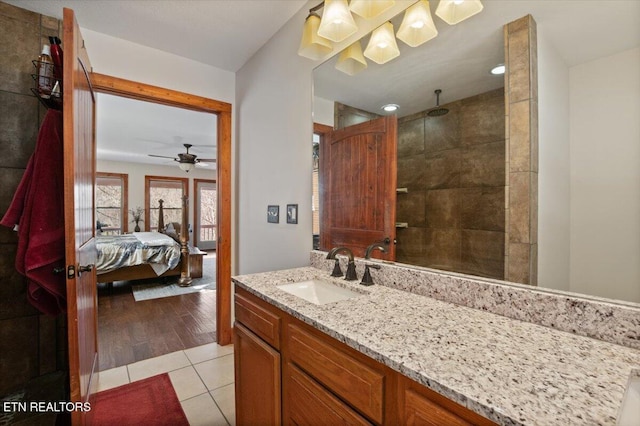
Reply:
x=349 y=378
x=257 y=317
x=310 y=403
x=421 y=406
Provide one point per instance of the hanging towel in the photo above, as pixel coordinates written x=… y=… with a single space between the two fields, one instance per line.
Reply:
x=37 y=210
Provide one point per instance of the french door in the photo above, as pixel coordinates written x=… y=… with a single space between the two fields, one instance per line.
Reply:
x=206 y=228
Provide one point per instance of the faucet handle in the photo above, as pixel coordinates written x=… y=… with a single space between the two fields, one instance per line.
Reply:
x=366 y=278
x=351 y=274
x=337 y=272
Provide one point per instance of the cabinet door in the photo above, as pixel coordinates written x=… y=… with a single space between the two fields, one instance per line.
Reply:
x=308 y=403
x=257 y=373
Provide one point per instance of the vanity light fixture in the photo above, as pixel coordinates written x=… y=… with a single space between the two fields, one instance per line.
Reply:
x=417 y=26
x=351 y=60
x=370 y=8
x=498 y=69
x=382 y=45
x=454 y=11
x=390 y=107
x=313 y=46
x=337 y=23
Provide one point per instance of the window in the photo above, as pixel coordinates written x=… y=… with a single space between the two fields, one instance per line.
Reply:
x=170 y=190
x=111 y=203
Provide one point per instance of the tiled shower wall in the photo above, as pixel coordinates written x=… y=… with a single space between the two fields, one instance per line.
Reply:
x=31 y=344
x=453 y=167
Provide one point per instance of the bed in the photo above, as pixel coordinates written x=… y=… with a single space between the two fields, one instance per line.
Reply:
x=143 y=255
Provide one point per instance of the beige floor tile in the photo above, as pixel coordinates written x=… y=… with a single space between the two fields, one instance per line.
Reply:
x=153 y=366
x=217 y=372
x=113 y=378
x=187 y=383
x=206 y=352
x=202 y=411
x=226 y=401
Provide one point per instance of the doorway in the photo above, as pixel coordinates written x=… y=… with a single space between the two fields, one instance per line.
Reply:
x=222 y=112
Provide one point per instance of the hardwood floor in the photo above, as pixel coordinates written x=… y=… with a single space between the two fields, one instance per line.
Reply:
x=130 y=331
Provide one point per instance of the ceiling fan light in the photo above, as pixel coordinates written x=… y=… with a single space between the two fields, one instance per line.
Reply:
x=187 y=167
x=454 y=11
x=351 y=60
x=370 y=8
x=337 y=23
x=417 y=26
x=313 y=46
x=382 y=45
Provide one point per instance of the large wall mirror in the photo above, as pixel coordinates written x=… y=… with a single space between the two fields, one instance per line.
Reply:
x=451 y=167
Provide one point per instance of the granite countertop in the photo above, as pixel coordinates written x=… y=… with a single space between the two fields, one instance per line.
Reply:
x=512 y=372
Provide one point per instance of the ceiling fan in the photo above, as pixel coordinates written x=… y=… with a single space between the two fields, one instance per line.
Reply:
x=187 y=161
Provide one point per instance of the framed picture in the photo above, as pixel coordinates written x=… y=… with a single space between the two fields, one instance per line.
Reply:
x=273 y=214
x=292 y=213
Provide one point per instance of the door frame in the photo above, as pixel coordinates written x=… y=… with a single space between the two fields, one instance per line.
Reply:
x=140 y=91
x=197 y=209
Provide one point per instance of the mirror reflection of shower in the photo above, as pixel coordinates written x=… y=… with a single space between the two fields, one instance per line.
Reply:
x=437 y=111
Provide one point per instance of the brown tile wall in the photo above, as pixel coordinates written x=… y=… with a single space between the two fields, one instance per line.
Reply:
x=521 y=162
x=29 y=342
x=454 y=169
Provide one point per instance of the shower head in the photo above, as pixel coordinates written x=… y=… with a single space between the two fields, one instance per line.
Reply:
x=437 y=111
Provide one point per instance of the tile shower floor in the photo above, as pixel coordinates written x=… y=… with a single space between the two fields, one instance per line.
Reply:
x=202 y=378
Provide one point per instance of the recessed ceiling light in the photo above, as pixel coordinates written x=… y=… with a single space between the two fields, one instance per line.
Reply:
x=390 y=107
x=498 y=69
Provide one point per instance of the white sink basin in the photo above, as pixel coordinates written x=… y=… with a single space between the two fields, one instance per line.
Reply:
x=630 y=411
x=318 y=291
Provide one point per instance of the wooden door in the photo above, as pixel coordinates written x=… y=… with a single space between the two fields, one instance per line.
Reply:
x=79 y=174
x=257 y=380
x=358 y=186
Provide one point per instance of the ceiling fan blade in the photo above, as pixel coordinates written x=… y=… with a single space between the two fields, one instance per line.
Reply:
x=207 y=160
x=160 y=156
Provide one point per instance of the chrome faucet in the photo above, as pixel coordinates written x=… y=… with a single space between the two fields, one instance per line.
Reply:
x=351 y=266
x=366 y=278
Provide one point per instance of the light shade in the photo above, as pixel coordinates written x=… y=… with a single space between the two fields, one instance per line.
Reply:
x=337 y=23
x=186 y=166
x=370 y=8
x=313 y=46
x=382 y=45
x=417 y=26
x=454 y=11
x=351 y=61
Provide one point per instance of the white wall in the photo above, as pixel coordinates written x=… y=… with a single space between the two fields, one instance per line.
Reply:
x=274 y=131
x=553 y=167
x=121 y=58
x=137 y=172
x=323 y=111
x=605 y=176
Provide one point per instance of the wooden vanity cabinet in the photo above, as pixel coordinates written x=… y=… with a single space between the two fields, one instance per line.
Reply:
x=288 y=372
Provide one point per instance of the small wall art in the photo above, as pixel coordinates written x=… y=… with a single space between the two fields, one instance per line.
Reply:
x=292 y=213
x=273 y=214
